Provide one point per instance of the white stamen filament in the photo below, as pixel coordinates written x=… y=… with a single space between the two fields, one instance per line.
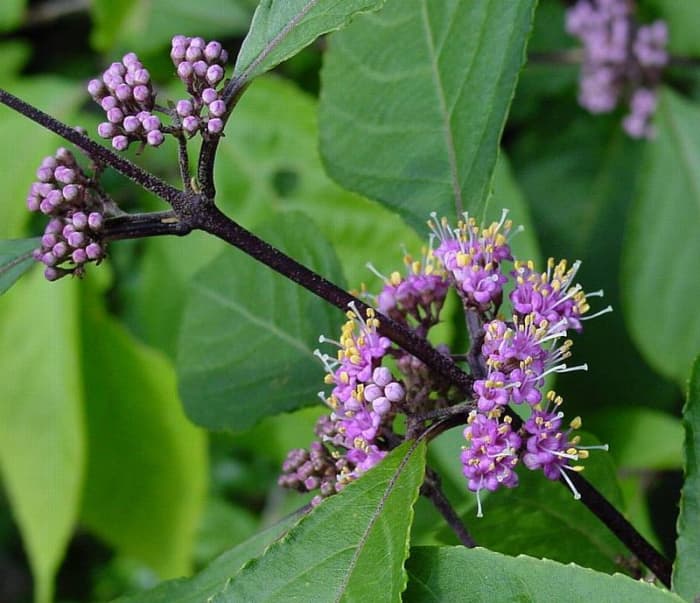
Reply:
x=577 y=494
x=599 y=313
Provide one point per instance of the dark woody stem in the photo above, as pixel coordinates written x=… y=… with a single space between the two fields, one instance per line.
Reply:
x=137 y=226
x=198 y=211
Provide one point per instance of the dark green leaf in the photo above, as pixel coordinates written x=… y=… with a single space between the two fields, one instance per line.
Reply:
x=662 y=282
x=330 y=553
x=248 y=335
x=414 y=101
x=15 y=260
x=281 y=28
x=42 y=442
x=214 y=577
x=686 y=569
x=458 y=574
x=146 y=473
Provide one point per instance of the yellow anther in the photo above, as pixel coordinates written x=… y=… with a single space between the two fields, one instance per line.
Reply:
x=583 y=454
x=577 y=468
x=395 y=278
x=576 y=423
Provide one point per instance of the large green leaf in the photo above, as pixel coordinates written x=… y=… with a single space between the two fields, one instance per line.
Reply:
x=248 y=334
x=542 y=510
x=29 y=144
x=458 y=574
x=41 y=419
x=146 y=471
x=281 y=28
x=330 y=553
x=414 y=100
x=686 y=569
x=661 y=279
x=15 y=260
x=215 y=576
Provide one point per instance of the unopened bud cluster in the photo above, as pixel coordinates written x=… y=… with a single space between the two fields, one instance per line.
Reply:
x=516 y=353
x=126 y=94
x=72 y=237
x=200 y=66
x=622 y=60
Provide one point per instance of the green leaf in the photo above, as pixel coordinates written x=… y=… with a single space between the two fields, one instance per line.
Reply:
x=145 y=27
x=214 y=577
x=414 y=100
x=13 y=56
x=15 y=259
x=281 y=28
x=682 y=19
x=660 y=276
x=686 y=569
x=30 y=143
x=329 y=554
x=543 y=510
x=41 y=419
x=11 y=13
x=147 y=469
x=648 y=439
x=459 y=574
x=248 y=334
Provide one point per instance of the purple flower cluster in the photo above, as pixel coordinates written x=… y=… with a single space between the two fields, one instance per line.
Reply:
x=515 y=357
x=471 y=257
x=200 y=66
x=621 y=59
x=72 y=237
x=416 y=298
x=126 y=95
x=489 y=461
x=364 y=401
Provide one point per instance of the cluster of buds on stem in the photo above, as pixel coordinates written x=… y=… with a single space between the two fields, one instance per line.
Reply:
x=622 y=60
x=126 y=94
x=72 y=237
x=374 y=381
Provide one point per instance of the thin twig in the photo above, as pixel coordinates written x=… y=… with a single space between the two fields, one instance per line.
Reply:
x=432 y=489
